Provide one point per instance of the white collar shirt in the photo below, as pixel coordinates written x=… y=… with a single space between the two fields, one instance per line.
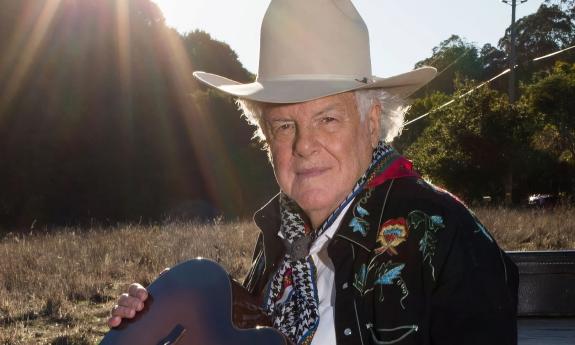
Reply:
x=325 y=332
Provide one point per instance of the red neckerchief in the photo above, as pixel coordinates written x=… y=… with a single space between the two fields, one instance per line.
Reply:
x=401 y=167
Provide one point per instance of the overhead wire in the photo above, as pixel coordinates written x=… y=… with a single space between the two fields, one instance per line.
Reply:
x=480 y=85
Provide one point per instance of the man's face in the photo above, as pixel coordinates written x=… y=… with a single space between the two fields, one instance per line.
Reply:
x=319 y=149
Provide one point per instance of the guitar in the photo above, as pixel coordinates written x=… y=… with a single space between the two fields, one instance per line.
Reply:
x=191 y=304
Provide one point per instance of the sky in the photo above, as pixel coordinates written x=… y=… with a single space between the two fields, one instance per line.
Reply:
x=402 y=32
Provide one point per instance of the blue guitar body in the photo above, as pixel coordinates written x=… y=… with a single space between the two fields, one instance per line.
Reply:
x=191 y=304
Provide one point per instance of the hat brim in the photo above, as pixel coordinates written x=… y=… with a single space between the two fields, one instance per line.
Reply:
x=295 y=90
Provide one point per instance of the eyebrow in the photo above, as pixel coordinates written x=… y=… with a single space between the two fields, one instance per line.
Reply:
x=326 y=109
x=329 y=108
x=279 y=120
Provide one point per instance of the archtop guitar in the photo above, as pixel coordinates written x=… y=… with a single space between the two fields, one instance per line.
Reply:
x=196 y=303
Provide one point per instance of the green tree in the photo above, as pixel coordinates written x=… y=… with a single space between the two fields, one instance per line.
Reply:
x=214 y=56
x=552 y=99
x=473 y=144
x=420 y=107
x=493 y=62
x=568 y=6
x=543 y=32
x=100 y=119
x=454 y=58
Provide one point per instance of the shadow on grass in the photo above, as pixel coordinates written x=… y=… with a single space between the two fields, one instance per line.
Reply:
x=51 y=312
x=71 y=340
x=25 y=317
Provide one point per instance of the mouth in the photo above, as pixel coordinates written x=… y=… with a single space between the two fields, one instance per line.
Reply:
x=311 y=172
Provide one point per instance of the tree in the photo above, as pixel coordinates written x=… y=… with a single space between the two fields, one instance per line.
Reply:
x=101 y=121
x=484 y=139
x=454 y=58
x=547 y=30
x=551 y=98
x=493 y=62
x=472 y=145
x=568 y=6
x=214 y=56
x=419 y=107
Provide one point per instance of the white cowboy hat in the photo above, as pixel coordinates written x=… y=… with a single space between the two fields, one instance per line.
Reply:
x=311 y=49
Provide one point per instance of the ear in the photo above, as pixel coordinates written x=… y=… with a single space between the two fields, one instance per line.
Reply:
x=374 y=123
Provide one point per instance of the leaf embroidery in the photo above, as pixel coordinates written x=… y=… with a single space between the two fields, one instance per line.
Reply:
x=361 y=279
x=389 y=273
x=388 y=276
x=420 y=221
x=480 y=228
x=437 y=221
x=358 y=225
x=361 y=211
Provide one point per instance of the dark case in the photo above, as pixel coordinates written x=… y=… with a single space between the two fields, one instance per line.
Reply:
x=546 y=283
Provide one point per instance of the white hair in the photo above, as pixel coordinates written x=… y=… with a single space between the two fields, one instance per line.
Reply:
x=393 y=109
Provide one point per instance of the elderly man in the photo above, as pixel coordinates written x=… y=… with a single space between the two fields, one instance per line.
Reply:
x=356 y=248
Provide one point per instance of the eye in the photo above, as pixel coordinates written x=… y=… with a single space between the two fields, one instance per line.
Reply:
x=328 y=119
x=282 y=127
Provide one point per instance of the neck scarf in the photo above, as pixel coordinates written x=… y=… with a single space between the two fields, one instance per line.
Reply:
x=292 y=301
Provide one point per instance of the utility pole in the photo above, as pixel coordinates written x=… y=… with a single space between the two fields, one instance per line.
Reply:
x=512 y=93
x=513 y=52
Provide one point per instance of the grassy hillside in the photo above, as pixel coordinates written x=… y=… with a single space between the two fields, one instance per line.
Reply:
x=58 y=288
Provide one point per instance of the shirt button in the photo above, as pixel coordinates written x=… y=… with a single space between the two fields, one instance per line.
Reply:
x=347 y=331
x=344 y=286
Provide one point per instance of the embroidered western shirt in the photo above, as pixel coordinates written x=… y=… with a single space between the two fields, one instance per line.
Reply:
x=412 y=266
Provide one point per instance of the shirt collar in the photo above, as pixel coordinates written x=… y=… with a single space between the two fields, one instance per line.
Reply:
x=268 y=217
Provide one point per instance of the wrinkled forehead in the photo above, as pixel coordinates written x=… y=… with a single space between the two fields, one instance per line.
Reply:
x=345 y=101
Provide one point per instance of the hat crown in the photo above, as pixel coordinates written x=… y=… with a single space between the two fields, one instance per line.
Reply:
x=313 y=38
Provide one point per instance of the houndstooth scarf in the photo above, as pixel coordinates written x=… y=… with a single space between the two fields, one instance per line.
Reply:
x=292 y=300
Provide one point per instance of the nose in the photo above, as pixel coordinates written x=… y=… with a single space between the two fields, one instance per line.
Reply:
x=305 y=143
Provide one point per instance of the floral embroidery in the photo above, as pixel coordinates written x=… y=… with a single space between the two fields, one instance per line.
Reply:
x=391 y=234
x=389 y=274
x=360 y=281
x=437 y=221
x=420 y=221
x=357 y=223
x=480 y=228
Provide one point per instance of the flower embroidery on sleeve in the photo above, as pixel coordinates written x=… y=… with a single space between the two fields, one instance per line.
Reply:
x=429 y=226
x=480 y=227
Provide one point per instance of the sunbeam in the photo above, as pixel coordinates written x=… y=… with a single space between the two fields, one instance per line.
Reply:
x=213 y=157
x=24 y=57
x=123 y=46
x=123 y=42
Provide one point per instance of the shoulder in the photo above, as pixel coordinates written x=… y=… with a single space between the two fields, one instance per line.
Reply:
x=415 y=195
x=404 y=195
x=441 y=224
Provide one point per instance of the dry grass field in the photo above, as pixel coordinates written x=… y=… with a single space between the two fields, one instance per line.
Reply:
x=58 y=288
